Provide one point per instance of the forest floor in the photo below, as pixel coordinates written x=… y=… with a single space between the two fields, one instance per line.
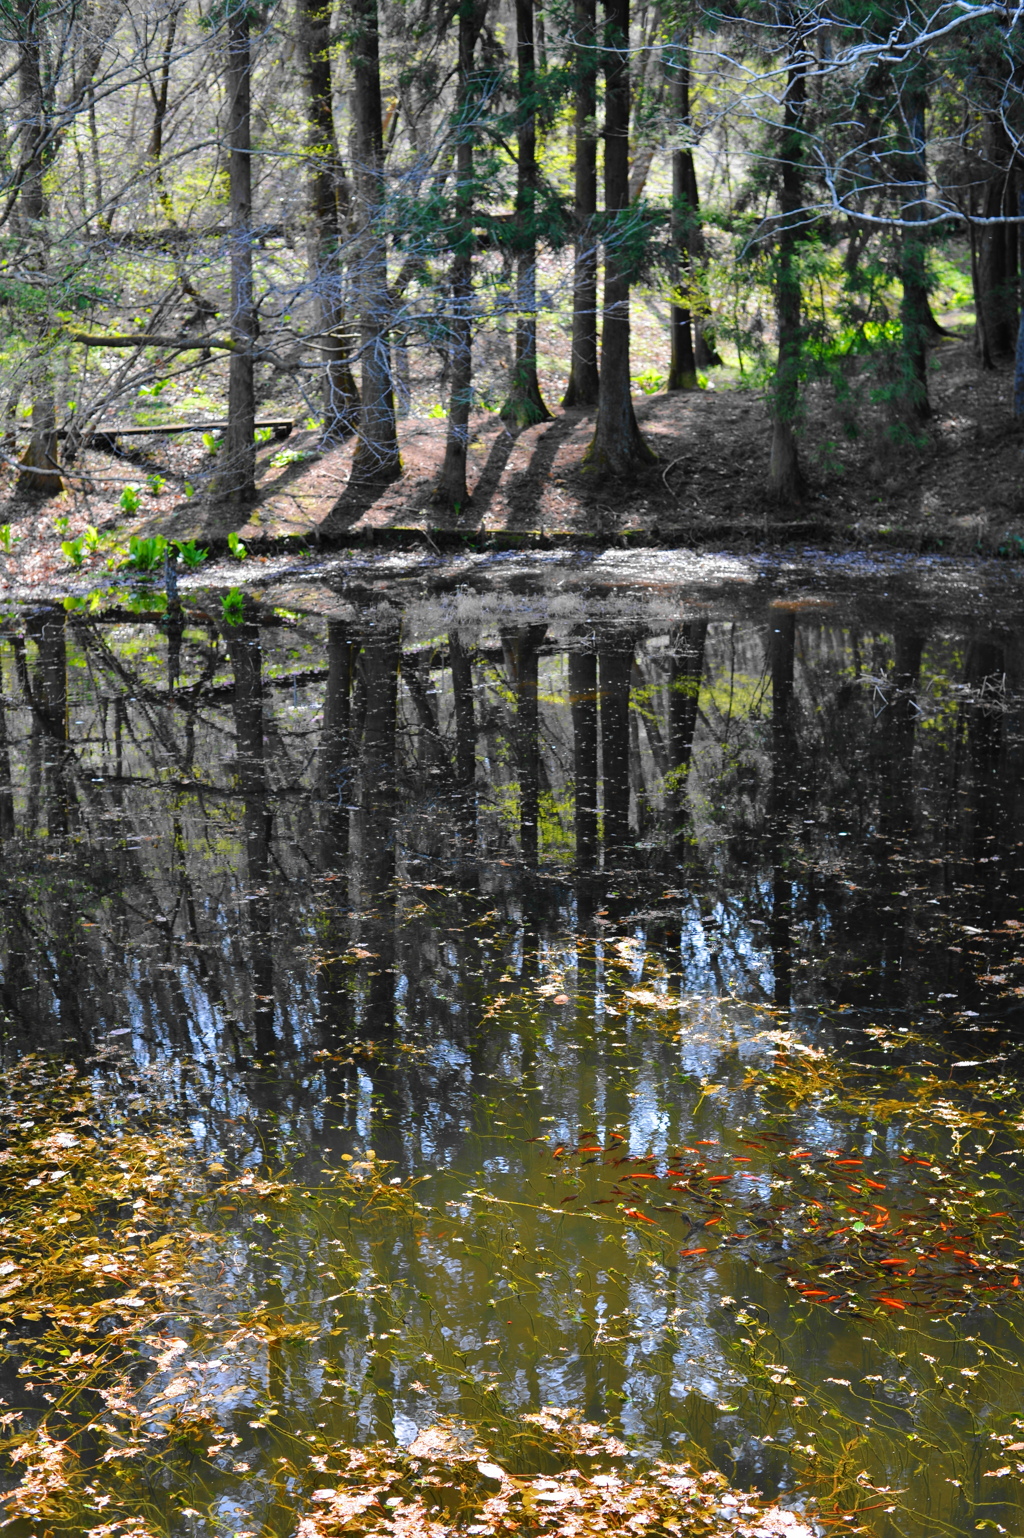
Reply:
x=958 y=490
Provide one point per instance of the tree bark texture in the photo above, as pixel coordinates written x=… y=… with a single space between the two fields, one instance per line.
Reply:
x=461 y=665
x=159 y=94
x=785 y=773
x=237 y=478
x=451 y=491
x=376 y=458
x=525 y=406
x=682 y=374
x=246 y=654
x=582 y=389
x=380 y=664
x=1018 y=362
x=785 y=482
x=583 y=704
x=915 y=312
x=618 y=447
x=996 y=277
x=521 y=661
x=39 y=461
x=328 y=198
x=335 y=761
x=616 y=664
x=685 y=673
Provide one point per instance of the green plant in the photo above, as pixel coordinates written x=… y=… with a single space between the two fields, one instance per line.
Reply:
x=75 y=550
x=154 y=390
x=285 y=457
x=650 y=381
x=236 y=547
x=8 y=539
x=232 y=606
x=146 y=554
x=88 y=603
x=211 y=442
x=189 y=489
x=146 y=601
x=155 y=484
x=437 y=411
x=62 y=524
x=190 y=553
x=263 y=435
x=128 y=501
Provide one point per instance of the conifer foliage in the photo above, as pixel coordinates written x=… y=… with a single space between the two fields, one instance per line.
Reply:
x=354 y=209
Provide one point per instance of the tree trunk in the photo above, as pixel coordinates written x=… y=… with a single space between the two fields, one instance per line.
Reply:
x=237 y=478
x=335 y=761
x=39 y=460
x=7 y=824
x=451 y=491
x=326 y=186
x=617 y=447
x=583 y=702
x=376 y=457
x=785 y=482
x=582 y=389
x=520 y=648
x=380 y=664
x=682 y=374
x=996 y=296
x=159 y=94
x=784 y=748
x=708 y=355
x=465 y=717
x=685 y=674
x=1018 y=370
x=525 y=406
x=48 y=629
x=616 y=671
x=915 y=313
x=243 y=642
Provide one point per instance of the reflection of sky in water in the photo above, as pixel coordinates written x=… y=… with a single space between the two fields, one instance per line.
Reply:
x=599 y=1060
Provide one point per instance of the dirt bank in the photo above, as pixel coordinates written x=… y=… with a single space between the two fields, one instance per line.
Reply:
x=957 y=490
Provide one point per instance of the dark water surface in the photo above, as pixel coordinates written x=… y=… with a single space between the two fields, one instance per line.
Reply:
x=669 y=921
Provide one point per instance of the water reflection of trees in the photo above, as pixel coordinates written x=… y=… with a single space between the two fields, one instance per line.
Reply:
x=292 y=836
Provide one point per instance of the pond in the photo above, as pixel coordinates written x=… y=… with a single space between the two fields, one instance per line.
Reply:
x=511 y=987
